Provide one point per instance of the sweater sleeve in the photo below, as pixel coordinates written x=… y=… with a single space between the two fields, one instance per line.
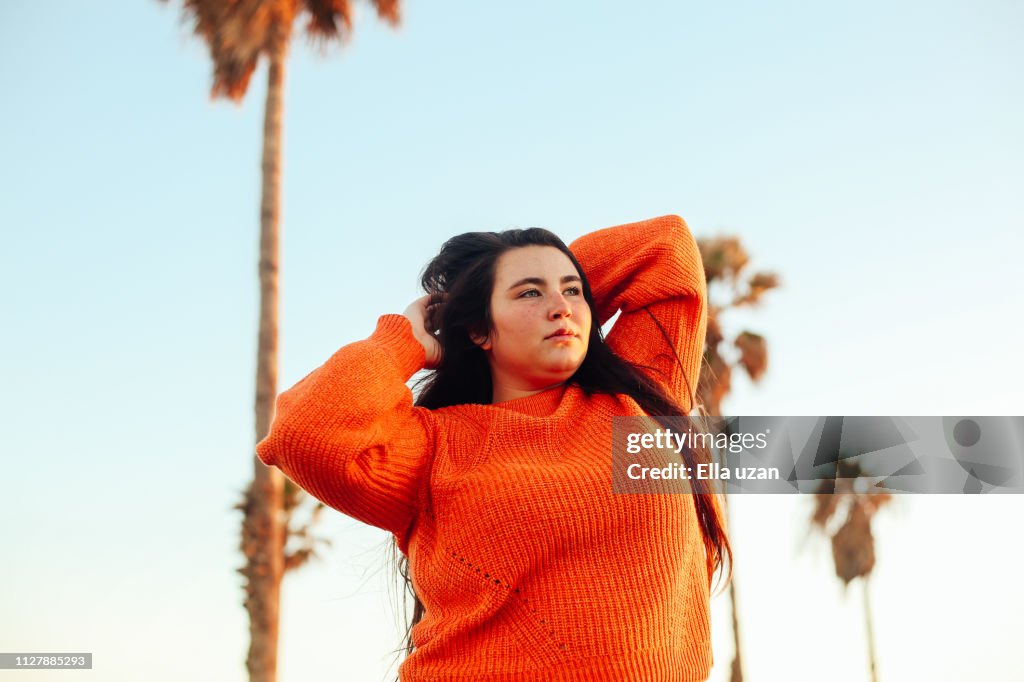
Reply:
x=651 y=271
x=348 y=432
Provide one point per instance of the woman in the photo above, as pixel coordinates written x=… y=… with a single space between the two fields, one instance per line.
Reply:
x=496 y=484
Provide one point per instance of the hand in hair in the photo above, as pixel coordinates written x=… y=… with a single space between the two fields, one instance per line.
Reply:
x=422 y=314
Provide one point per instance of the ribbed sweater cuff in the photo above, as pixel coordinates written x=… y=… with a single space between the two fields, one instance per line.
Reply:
x=394 y=334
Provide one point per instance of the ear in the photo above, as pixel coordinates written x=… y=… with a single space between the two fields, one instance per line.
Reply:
x=483 y=341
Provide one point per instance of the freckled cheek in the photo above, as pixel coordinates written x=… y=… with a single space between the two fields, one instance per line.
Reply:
x=530 y=324
x=519 y=323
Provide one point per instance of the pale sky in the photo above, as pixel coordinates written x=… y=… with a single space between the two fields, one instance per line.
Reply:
x=869 y=152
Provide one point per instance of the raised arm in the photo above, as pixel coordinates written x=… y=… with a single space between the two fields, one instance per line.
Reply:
x=651 y=271
x=348 y=432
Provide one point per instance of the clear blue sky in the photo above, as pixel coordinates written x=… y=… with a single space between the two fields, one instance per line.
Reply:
x=871 y=153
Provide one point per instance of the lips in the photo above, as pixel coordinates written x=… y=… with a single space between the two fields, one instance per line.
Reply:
x=560 y=333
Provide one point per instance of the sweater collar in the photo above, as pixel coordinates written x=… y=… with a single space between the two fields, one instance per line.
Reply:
x=542 y=404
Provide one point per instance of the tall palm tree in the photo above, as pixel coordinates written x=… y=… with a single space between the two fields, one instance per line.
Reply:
x=239 y=33
x=725 y=261
x=844 y=516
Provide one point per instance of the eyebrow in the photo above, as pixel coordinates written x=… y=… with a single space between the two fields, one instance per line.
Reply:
x=541 y=282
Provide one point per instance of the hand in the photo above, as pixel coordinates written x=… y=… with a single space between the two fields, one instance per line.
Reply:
x=421 y=313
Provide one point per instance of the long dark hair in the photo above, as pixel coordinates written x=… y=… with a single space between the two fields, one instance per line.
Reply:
x=462 y=275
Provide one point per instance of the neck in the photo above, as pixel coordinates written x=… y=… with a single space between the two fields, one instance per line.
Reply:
x=503 y=392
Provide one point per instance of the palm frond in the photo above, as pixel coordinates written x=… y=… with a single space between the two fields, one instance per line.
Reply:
x=328 y=18
x=724 y=257
x=753 y=354
x=853 y=546
x=237 y=33
x=388 y=10
x=825 y=505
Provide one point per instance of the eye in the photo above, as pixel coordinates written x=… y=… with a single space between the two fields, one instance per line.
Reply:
x=526 y=294
x=575 y=291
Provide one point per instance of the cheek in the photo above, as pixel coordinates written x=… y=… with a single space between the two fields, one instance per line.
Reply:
x=510 y=322
x=514 y=326
x=582 y=314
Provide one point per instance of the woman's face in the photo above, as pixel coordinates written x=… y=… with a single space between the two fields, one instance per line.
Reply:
x=541 y=322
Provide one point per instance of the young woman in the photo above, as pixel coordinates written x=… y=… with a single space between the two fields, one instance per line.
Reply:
x=496 y=483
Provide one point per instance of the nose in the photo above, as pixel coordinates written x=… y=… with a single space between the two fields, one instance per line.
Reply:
x=560 y=308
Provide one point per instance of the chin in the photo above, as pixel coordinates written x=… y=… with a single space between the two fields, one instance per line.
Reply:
x=565 y=369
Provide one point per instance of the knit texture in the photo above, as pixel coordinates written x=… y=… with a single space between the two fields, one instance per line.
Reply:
x=529 y=566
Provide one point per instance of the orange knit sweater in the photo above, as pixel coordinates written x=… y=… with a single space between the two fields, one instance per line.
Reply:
x=529 y=566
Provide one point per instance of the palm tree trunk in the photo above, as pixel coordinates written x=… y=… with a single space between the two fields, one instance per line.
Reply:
x=736 y=670
x=871 y=632
x=263 y=528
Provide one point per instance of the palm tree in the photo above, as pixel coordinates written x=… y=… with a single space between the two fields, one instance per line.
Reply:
x=725 y=260
x=844 y=516
x=238 y=33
